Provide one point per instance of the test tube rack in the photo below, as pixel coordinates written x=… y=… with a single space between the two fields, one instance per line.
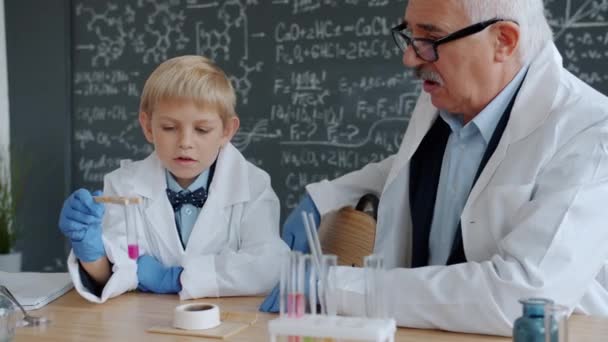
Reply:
x=335 y=327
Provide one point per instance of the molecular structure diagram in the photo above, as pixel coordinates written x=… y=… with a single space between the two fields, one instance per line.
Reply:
x=242 y=84
x=215 y=42
x=116 y=26
x=109 y=28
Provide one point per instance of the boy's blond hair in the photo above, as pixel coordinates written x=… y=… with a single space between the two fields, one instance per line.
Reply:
x=189 y=78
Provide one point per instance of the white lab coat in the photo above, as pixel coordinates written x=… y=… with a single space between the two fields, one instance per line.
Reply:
x=534 y=224
x=234 y=248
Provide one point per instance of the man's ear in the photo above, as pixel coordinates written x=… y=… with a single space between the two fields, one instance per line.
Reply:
x=507 y=40
x=145 y=121
x=231 y=125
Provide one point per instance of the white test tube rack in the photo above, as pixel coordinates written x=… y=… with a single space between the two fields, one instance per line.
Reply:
x=335 y=327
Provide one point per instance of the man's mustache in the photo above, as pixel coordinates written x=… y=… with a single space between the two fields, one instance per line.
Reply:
x=428 y=75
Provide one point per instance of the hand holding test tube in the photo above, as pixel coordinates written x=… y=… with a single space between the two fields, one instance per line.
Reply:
x=131 y=208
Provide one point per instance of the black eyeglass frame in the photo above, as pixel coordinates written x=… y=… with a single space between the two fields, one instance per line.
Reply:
x=467 y=31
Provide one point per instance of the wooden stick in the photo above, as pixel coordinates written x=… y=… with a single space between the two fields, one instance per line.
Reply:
x=117 y=199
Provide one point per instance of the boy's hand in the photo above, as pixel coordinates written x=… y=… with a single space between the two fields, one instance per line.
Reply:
x=154 y=277
x=80 y=220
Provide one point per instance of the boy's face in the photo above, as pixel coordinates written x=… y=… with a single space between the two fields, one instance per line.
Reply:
x=187 y=139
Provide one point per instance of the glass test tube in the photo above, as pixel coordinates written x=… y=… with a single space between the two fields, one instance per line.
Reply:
x=303 y=265
x=284 y=284
x=131 y=207
x=294 y=297
x=375 y=305
x=556 y=323
x=327 y=290
x=312 y=286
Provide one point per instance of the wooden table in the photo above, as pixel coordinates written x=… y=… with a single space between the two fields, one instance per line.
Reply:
x=127 y=317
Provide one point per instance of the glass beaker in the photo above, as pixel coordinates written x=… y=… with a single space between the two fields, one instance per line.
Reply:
x=556 y=323
x=8 y=319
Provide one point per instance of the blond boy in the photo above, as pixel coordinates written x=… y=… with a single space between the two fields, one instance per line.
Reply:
x=209 y=219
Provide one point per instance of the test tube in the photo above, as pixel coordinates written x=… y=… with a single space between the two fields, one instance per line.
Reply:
x=312 y=287
x=131 y=207
x=327 y=290
x=556 y=323
x=293 y=296
x=284 y=285
x=300 y=300
x=375 y=305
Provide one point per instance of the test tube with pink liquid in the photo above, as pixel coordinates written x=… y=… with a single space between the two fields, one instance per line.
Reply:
x=293 y=286
x=132 y=215
x=293 y=277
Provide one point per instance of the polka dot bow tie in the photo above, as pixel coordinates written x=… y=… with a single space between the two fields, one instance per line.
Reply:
x=197 y=198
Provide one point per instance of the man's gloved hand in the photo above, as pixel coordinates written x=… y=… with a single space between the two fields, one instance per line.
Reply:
x=154 y=277
x=294 y=235
x=80 y=220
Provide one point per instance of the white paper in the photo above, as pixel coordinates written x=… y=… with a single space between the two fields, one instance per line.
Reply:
x=35 y=290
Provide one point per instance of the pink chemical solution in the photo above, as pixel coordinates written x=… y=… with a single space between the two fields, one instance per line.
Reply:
x=295 y=305
x=133 y=251
x=295 y=309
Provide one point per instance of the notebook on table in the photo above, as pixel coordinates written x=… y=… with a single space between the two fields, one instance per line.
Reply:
x=35 y=290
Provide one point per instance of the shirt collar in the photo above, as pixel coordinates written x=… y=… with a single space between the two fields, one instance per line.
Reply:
x=488 y=118
x=200 y=181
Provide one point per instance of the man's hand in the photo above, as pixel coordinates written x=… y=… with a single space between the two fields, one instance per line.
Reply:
x=294 y=233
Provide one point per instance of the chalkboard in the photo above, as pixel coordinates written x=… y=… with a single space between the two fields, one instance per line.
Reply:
x=321 y=88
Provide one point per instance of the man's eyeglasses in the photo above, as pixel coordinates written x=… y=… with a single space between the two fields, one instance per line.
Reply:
x=426 y=49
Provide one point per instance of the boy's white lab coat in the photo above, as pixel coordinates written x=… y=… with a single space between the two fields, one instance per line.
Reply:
x=535 y=223
x=234 y=248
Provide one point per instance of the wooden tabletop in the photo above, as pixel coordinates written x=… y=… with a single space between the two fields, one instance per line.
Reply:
x=127 y=317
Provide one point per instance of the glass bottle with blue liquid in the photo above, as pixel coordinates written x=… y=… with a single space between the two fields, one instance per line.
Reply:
x=530 y=327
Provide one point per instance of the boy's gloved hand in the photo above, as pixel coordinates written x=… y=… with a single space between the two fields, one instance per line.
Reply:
x=80 y=220
x=154 y=277
x=294 y=235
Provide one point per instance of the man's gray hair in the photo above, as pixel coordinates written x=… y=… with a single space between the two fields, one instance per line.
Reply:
x=529 y=14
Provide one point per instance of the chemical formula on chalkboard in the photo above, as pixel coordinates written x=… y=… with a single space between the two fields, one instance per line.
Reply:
x=321 y=87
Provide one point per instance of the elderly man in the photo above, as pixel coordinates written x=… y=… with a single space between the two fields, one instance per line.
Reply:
x=499 y=189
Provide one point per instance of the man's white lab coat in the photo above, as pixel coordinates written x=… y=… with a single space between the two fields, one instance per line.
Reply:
x=534 y=224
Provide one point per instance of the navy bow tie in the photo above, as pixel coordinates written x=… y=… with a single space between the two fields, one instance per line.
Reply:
x=197 y=198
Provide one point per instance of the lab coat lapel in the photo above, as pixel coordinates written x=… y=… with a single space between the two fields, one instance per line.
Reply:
x=529 y=111
x=422 y=118
x=230 y=185
x=150 y=182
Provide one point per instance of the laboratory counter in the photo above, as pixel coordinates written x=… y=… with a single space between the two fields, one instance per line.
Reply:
x=127 y=317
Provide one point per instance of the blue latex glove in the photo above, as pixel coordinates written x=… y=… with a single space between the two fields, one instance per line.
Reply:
x=80 y=220
x=294 y=235
x=154 y=277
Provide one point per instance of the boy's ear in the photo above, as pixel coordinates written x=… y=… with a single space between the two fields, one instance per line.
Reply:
x=230 y=127
x=145 y=121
